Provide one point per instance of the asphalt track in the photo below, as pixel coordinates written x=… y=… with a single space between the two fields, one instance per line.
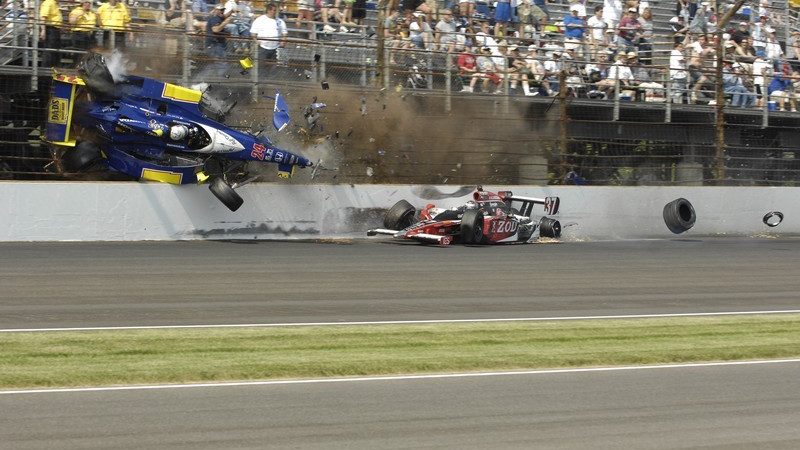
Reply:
x=183 y=283
x=746 y=407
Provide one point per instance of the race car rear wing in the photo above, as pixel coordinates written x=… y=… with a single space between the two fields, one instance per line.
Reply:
x=551 y=204
x=57 y=130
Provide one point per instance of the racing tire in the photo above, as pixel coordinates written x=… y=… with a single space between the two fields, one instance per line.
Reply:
x=225 y=193
x=94 y=72
x=399 y=216
x=679 y=215
x=472 y=227
x=549 y=228
x=80 y=158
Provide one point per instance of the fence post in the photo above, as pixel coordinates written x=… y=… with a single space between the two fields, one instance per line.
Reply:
x=448 y=82
x=186 y=66
x=254 y=71
x=668 y=94
x=719 y=108
x=563 y=117
x=364 y=60
x=35 y=60
x=616 y=97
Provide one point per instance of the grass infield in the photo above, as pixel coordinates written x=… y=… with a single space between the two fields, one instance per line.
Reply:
x=103 y=358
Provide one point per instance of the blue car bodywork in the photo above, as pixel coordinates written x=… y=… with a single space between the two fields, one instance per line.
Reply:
x=132 y=124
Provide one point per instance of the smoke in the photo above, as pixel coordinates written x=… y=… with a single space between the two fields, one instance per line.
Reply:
x=118 y=64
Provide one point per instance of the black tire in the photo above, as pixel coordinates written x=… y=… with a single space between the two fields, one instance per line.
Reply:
x=679 y=215
x=225 y=194
x=80 y=158
x=472 y=227
x=399 y=216
x=94 y=72
x=549 y=228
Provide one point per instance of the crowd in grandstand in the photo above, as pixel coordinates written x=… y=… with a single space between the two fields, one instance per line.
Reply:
x=516 y=47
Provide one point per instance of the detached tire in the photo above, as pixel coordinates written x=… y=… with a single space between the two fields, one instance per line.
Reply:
x=550 y=228
x=80 y=158
x=399 y=216
x=679 y=215
x=472 y=227
x=225 y=194
x=94 y=72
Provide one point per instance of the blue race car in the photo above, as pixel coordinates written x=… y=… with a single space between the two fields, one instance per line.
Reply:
x=152 y=130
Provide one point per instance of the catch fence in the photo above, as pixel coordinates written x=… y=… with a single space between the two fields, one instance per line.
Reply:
x=649 y=130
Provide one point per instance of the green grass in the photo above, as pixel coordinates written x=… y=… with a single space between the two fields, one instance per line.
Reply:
x=100 y=358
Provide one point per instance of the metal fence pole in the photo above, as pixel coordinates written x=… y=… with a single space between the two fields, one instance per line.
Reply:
x=254 y=70
x=35 y=60
x=186 y=68
x=448 y=82
x=668 y=99
x=616 y=97
x=363 y=53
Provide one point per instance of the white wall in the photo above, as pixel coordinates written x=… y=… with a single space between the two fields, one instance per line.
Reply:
x=130 y=211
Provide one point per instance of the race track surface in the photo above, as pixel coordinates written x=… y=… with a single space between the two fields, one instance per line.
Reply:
x=181 y=283
x=747 y=407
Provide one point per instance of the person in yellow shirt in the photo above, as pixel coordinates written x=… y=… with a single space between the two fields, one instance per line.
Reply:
x=50 y=17
x=114 y=16
x=84 y=22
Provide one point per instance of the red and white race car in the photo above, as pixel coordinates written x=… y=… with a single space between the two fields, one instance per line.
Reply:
x=490 y=218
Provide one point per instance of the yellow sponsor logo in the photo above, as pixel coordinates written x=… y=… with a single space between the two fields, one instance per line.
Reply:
x=162 y=176
x=58 y=111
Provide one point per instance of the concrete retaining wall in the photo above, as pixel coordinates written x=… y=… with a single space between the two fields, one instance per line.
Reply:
x=129 y=211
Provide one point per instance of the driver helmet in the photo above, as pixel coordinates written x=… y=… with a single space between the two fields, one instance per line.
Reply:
x=178 y=132
x=472 y=205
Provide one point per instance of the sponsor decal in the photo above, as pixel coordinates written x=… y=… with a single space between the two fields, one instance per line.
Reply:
x=504 y=226
x=258 y=151
x=58 y=111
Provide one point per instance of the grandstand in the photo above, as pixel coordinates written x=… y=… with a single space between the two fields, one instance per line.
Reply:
x=614 y=132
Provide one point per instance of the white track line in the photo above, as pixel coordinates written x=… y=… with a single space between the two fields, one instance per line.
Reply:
x=398 y=377
x=402 y=322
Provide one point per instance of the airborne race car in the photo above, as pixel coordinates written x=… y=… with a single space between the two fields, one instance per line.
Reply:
x=490 y=218
x=152 y=130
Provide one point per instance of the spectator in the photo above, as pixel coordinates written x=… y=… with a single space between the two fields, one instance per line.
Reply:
x=174 y=14
x=216 y=38
x=779 y=90
x=84 y=23
x=270 y=32
x=618 y=71
x=446 y=32
x=759 y=35
x=522 y=71
x=762 y=71
x=597 y=33
x=359 y=12
x=50 y=16
x=745 y=53
x=733 y=84
x=645 y=43
x=114 y=19
x=466 y=8
x=305 y=13
x=678 y=26
x=552 y=68
x=629 y=30
x=741 y=32
x=677 y=73
x=199 y=14
x=574 y=27
x=467 y=67
x=239 y=27
x=612 y=12
x=653 y=91
x=699 y=23
x=415 y=6
x=772 y=49
x=577 y=4
x=502 y=16
x=486 y=71
x=420 y=32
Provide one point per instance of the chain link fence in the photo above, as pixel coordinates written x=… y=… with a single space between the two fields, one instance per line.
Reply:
x=410 y=117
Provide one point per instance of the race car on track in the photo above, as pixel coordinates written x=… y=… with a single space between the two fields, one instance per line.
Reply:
x=489 y=218
x=152 y=130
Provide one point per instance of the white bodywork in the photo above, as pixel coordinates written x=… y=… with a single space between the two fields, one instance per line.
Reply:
x=221 y=142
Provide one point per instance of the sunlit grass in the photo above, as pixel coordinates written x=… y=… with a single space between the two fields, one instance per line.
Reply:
x=98 y=358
